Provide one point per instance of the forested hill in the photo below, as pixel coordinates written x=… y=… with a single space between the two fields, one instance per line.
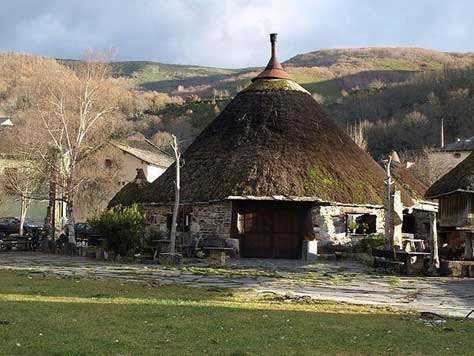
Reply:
x=395 y=95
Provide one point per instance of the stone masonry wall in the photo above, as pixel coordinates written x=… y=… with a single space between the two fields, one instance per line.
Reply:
x=329 y=222
x=207 y=219
x=212 y=220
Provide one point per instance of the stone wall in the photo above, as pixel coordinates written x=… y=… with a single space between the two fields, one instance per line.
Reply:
x=207 y=219
x=422 y=224
x=329 y=222
x=212 y=220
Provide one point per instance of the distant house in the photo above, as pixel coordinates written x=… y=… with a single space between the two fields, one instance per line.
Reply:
x=138 y=154
x=454 y=153
x=123 y=159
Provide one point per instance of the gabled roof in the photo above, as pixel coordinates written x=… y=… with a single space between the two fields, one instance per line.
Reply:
x=460 y=145
x=145 y=151
x=459 y=179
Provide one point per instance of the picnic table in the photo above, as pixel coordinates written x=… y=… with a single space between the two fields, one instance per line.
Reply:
x=411 y=259
x=415 y=244
x=405 y=261
x=217 y=254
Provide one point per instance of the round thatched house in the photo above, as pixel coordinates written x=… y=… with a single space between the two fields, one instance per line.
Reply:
x=272 y=170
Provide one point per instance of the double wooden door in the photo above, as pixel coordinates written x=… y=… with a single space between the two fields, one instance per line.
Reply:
x=272 y=232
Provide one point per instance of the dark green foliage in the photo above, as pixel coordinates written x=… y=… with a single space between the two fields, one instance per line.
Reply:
x=407 y=116
x=121 y=227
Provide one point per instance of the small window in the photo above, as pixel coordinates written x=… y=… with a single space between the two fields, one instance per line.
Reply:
x=183 y=221
x=108 y=163
x=361 y=223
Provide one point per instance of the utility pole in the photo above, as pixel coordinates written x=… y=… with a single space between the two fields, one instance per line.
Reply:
x=388 y=210
x=442 y=131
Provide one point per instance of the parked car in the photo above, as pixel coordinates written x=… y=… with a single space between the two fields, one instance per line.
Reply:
x=11 y=225
x=84 y=233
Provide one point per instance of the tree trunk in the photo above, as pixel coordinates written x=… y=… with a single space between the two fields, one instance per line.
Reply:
x=70 y=222
x=434 y=257
x=177 y=187
x=23 y=210
x=175 y=217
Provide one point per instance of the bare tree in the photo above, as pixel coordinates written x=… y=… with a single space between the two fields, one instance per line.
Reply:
x=177 y=189
x=78 y=109
x=357 y=133
x=25 y=178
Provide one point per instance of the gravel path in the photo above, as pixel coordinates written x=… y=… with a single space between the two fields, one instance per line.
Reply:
x=342 y=281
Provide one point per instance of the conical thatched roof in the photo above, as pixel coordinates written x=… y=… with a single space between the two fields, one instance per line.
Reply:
x=459 y=179
x=132 y=192
x=407 y=180
x=274 y=139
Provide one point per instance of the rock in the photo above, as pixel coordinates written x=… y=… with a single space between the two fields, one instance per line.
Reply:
x=234 y=244
x=170 y=259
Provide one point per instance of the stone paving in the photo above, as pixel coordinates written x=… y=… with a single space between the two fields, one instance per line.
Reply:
x=348 y=282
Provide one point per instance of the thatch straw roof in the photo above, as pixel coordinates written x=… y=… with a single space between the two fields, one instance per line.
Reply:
x=132 y=192
x=408 y=181
x=274 y=139
x=459 y=179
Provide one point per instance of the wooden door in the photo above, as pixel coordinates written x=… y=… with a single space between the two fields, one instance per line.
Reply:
x=286 y=233
x=272 y=232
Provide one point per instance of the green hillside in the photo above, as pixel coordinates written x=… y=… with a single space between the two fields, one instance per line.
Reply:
x=326 y=72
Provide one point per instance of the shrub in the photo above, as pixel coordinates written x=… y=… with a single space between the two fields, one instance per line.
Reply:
x=121 y=227
x=372 y=241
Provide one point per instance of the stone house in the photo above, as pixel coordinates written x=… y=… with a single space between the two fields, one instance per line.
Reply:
x=137 y=154
x=456 y=151
x=272 y=171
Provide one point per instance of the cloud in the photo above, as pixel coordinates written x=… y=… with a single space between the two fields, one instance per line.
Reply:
x=229 y=33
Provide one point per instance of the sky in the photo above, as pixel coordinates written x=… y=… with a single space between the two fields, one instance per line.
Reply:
x=231 y=34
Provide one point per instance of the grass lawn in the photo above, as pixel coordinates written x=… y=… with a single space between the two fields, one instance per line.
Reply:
x=51 y=316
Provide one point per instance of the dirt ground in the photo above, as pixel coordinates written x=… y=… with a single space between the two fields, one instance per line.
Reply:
x=348 y=282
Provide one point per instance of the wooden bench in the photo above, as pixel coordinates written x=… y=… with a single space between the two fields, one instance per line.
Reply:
x=385 y=259
x=217 y=254
x=17 y=244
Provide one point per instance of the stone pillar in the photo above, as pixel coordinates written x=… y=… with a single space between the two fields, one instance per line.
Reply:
x=397 y=220
x=469 y=246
